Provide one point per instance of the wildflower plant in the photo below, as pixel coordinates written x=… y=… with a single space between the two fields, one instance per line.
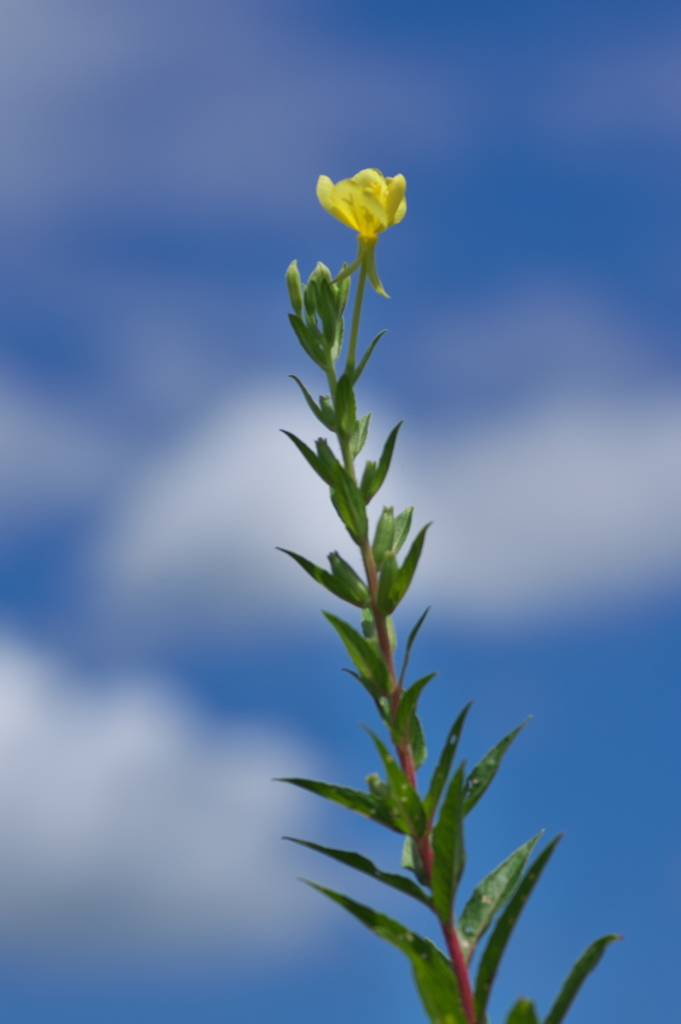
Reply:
x=455 y=982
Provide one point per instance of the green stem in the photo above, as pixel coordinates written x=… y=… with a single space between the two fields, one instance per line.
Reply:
x=356 y=314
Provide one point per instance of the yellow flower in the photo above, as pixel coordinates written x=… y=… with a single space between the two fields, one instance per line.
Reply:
x=369 y=203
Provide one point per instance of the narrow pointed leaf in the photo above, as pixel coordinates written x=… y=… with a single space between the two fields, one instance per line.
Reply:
x=315 y=461
x=412 y=860
x=444 y=765
x=485 y=770
x=328 y=460
x=364 y=655
x=383 y=537
x=321 y=412
x=370 y=485
x=402 y=527
x=350 y=504
x=347 y=576
x=432 y=971
x=310 y=339
x=586 y=963
x=503 y=929
x=387 y=584
x=489 y=897
x=408 y=705
x=408 y=568
x=448 y=849
x=410 y=643
x=346 y=408
x=404 y=798
x=359 y=434
x=327 y=308
x=331 y=582
x=367 y=356
x=418 y=741
x=367 y=867
x=523 y=1013
x=369 y=805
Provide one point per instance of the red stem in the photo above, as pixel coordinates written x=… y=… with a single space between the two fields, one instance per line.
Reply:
x=460 y=970
x=406 y=756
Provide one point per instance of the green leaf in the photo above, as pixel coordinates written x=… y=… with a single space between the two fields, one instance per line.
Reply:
x=408 y=567
x=392 y=634
x=374 y=474
x=318 y=464
x=411 y=860
x=367 y=356
x=327 y=308
x=383 y=537
x=347 y=590
x=408 y=704
x=320 y=411
x=326 y=406
x=503 y=929
x=417 y=740
x=523 y=1013
x=346 y=407
x=432 y=971
x=387 y=584
x=366 y=658
x=349 y=503
x=346 y=575
x=448 y=849
x=404 y=798
x=402 y=528
x=586 y=963
x=489 y=897
x=359 y=863
x=368 y=624
x=369 y=805
x=342 y=290
x=327 y=459
x=441 y=772
x=410 y=643
x=485 y=770
x=310 y=338
x=359 y=434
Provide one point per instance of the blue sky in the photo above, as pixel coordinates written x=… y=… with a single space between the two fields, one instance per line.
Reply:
x=159 y=662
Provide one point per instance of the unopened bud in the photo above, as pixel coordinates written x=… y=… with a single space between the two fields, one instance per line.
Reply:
x=295 y=288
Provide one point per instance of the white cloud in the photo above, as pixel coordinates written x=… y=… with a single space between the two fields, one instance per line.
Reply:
x=558 y=507
x=130 y=826
x=566 y=501
x=128 y=105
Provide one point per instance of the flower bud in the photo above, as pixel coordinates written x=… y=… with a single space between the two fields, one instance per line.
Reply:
x=295 y=288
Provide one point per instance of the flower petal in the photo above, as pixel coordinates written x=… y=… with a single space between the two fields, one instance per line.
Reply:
x=396 y=203
x=325 y=189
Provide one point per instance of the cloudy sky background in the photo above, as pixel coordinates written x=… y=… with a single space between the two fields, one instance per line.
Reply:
x=159 y=662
